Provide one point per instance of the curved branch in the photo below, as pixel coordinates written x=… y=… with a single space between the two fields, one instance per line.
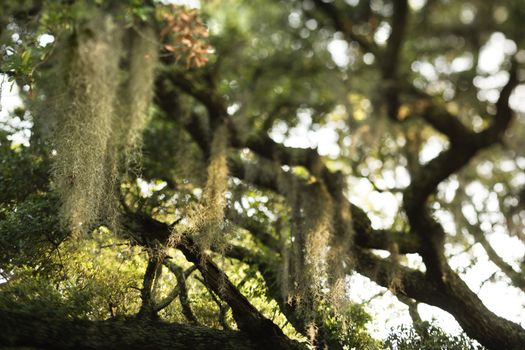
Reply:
x=464 y=145
x=450 y=294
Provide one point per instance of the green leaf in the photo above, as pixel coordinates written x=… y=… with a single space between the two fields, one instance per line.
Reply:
x=26 y=55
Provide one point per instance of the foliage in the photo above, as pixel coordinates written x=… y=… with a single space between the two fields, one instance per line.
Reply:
x=29 y=234
x=231 y=166
x=92 y=280
x=425 y=336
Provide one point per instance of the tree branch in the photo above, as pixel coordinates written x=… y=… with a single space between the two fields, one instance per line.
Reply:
x=223 y=308
x=428 y=177
x=174 y=292
x=450 y=294
x=22 y=330
x=517 y=278
x=147 y=307
x=342 y=23
x=390 y=58
x=256 y=228
x=182 y=291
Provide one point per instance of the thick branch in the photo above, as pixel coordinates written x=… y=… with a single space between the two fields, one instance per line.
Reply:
x=383 y=239
x=22 y=330
x=390 y=58
x=450 y=294
x=270 y=272
x=247 y=317
x=428 y=177
x=265 y=147
x=201 y=91
x=393 y=48
x=446 y=123
x=464 y=145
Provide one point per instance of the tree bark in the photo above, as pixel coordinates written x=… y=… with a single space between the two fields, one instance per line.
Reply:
x=23 y=330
